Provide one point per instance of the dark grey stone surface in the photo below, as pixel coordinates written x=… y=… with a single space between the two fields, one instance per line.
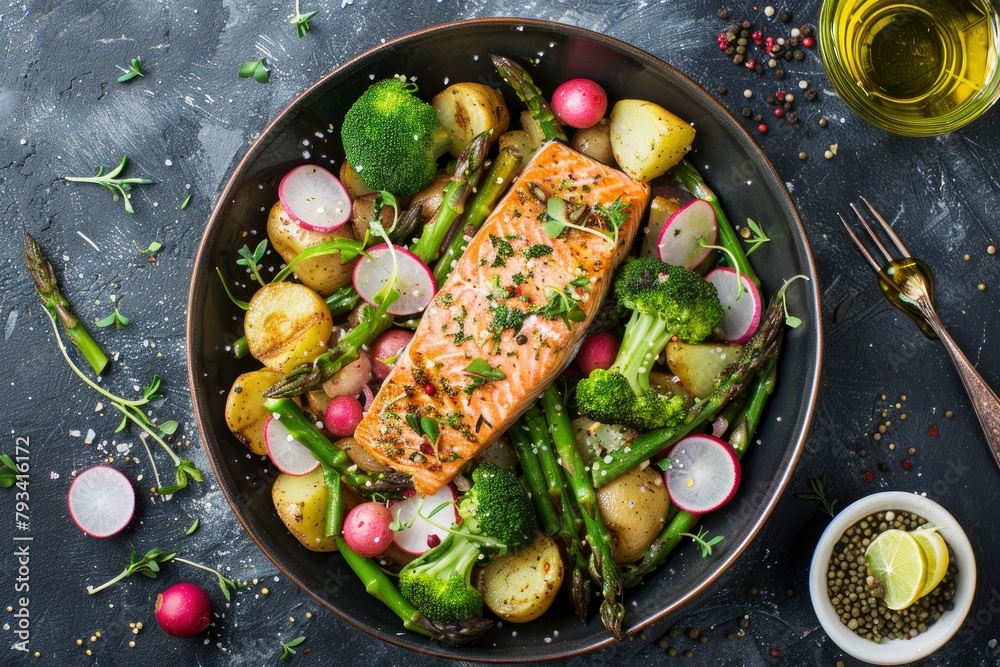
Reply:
x=185 y=124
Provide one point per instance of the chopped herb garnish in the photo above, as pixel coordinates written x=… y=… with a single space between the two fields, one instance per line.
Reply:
x=537 y=250
x=519 y=278
x=614 y=216
x=430 y=428
x=564 y=303
x=151 y=249
x=256 y=69
x=115 y=318
x=481 y=373
x=505 y=317
x=184 y=204
x=193 y=527
x=503 y=250
x=301 y=20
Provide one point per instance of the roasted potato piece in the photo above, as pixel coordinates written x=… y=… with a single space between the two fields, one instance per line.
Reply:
x=697 y=365
x=300 y=501
x=634 y=509
x=520 y=142
x=521 y=585
x=245 y=411
x=287 y=324
x=324 y=273
x=647 y=140
x=595 y=142
x=468 y=109
x=535 y=133
x=364 y=212
x=660 y=209
x=352 y=181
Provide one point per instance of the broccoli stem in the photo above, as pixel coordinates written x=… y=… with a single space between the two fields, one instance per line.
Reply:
x=737 y=378
x=467 y=173
x=691 y=179
x=52 y=298
x=554 y=484
x=306 y=432
x=500 y=175
x=684 y=522
x=612 y=609
x=304 y=377
x=645 y=337
x=519 y=79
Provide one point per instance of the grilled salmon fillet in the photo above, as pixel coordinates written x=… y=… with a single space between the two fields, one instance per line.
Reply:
x=507 y=320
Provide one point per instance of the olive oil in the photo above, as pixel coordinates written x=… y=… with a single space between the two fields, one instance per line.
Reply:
x=913 y=61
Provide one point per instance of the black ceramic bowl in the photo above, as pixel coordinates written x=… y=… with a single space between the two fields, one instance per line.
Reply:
x=734 y=167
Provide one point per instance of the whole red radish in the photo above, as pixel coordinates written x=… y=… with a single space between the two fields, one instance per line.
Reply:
x=366 y=529
x=580 y=103
x=597 y=351
x=343 y=415
x=183 y=610
x=386 y=348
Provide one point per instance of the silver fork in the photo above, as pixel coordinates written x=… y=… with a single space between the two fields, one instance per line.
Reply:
x=908 y=284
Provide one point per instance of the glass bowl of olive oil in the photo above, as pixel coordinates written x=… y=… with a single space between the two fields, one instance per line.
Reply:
x=913 y=67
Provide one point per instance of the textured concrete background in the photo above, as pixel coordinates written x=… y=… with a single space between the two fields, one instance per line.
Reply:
x=190 y=118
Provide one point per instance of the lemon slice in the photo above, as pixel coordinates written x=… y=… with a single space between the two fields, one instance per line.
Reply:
x=936 y=553
x=897 y=560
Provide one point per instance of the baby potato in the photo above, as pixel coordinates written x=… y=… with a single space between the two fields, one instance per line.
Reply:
x=324 y=273
x=595 y=142
x=634 y=509
x=245 y=411
x=521 y=585
x=646 y=139
x=519 y=142
x=468 y=109
x=287 y=324
x=300 y=501
x=352 y=181
x=698 y=364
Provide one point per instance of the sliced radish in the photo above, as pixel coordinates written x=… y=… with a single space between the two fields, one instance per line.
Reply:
x=287 y=454
x=685 y=234
x=315 y=198
x=414 y=279
x=741 y=304
x=422 y=536
x=101 y=501
x=704 y=473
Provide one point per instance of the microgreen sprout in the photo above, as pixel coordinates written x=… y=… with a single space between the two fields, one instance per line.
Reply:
x=252 y=259
x=132 y=411
x=134 y=70
x=225 y=583
x=301 y=21
x=754 y=235
x=115 y=318
x=819 y=491
x=187 y=200
x=733 y=264
x=239 y=303
x=119 y=187
x=147 y=566
x=481 y=372
x=287 y=649
x=256 y=69
x=193 y=527
x=151 y=249
x=790 y=320
x=8 y=471
x=614 y=216
x=703 y=544
x=560 y=216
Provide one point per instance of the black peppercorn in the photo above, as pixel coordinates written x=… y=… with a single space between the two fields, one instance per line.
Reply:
x=810 y=94
x=758 y=118
x=738 y=59
x=746 y=25
x=798 y=54
x=806 y=30
x=722 y=90
x=792 y=117
x=784 y=17
x=746 y=112
x=770 y=99
x=723 y=13
x=883 y=466
x=779 y=73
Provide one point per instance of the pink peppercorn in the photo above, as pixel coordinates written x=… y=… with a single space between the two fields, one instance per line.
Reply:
x=906 y=464
x=751 y=63
x=762 y=128
x=868 y=477
x=429 y=389
x=808 y=42
x=757 y=36
x=779 y=112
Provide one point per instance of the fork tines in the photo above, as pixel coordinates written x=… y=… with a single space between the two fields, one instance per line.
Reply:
x=900 y=248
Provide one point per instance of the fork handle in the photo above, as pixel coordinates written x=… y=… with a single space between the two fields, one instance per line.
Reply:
x=984 y=400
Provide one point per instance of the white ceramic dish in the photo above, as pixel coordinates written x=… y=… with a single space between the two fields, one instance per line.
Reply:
x=894 y=651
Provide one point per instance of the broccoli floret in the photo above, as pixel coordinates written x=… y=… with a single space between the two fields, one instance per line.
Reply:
x=496 y=514
x=665 y=301
x=393 y=139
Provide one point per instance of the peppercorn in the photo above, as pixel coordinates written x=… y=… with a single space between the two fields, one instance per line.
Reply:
x=780 y=73
x=798 y=54
x=746 y=25
x=723 y=13
x=746 y=113
x=810 y=94
x=805 y=30
x=758 y=118
x=823 y=122
x=738 y=58
x=883 y=466
x=784 y=17
x=808 y=42
x=762 y=128
x=722 y=90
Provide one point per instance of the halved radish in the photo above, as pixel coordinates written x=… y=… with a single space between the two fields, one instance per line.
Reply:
x=101 y=501
x=704 y=473
x=315 y=198
x=741 y=304
x=421 y=536
x=414 y=279
x=287 y=454
x=685 y=234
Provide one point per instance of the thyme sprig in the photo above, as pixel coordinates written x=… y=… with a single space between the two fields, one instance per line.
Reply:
x=703 y=544
x=819 y=492
x=754 y=235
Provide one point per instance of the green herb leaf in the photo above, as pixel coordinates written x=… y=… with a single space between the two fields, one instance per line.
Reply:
x=115 y=318
x=148 y=566
x=151 y=249
x=152 y=390
x=755 y=236
x=703 y=544
x=790 y=320
x=414 y=421
x=819 y=491
x=134 y=70
x=122 y=424
x=287 y=648
x=252 y=260
x=481 y=373
x=239 y=303
x=256 y=69
x=187 y=200
x=193 y=527
x=430 y=428
x=169 y=427
x=8 y=471
x=301 y=20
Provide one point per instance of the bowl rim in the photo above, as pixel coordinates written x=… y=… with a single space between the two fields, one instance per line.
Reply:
x=894 y=651
x=793 y=448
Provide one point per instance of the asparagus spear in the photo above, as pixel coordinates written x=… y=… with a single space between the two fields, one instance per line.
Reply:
x=683 y=522
x=303 y=430
x=602 y=562
x=499 y=176
x=467 y=173
x=52 y=298
x=548 y=487
x=519 y=79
